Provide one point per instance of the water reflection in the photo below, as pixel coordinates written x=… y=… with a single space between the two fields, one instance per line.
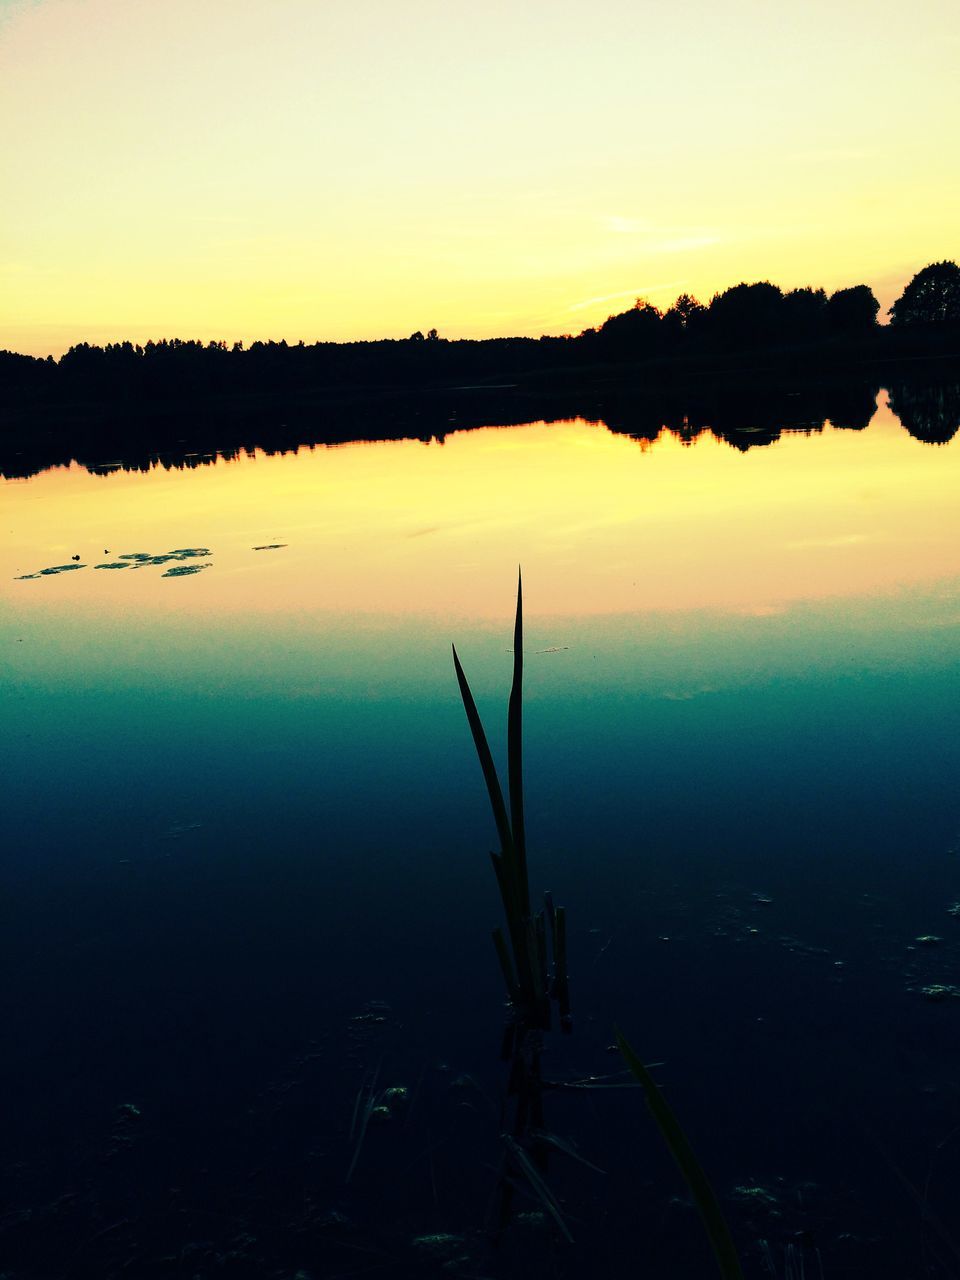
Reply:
x=930 y=411
x=745 y=416
x=407 y=528
x=246 y=856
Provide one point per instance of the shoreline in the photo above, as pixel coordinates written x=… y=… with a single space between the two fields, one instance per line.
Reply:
x=746 y=402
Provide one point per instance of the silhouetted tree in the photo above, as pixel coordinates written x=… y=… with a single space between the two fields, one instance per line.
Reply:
x=931 y=298
x=682 y=320
x=852 y=310
x=688 y=309
x=632 y=334
x=802 y=312
x=747 y=313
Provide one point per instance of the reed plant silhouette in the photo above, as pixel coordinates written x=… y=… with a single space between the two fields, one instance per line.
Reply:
x=536 y=980
x=532 y=953
x=531 y=983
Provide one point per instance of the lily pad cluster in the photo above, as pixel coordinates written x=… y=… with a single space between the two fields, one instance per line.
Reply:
x=139 y=560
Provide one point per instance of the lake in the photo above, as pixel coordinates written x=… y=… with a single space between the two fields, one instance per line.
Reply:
x=246 y=881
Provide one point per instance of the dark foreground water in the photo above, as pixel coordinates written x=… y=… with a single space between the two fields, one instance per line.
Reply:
x=245 y=875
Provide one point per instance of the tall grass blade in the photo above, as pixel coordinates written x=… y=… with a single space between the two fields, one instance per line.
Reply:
x=506 y=965
x=561 y=979
x=515 y=751
x=700 y=1188
x=562 y=1144
x=363 y=1115
x=486 y=759
x=541 y=930
x=507 y=884
x=533 y=1176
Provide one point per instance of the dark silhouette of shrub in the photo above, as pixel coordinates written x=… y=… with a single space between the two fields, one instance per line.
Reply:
x=852 y=310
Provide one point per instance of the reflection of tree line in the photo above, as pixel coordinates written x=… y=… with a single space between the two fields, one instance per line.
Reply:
x=929 y=411
x=744 y=417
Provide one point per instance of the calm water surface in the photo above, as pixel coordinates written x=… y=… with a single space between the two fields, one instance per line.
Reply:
x=246 y=843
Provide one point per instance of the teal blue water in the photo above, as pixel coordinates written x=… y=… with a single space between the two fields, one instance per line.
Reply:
x=246 y=868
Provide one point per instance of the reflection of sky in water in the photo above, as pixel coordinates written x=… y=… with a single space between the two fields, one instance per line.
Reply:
x=658 y=585
x=742 y=726
x=601 y=525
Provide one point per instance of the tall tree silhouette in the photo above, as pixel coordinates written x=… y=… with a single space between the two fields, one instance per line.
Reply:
x=931 y=298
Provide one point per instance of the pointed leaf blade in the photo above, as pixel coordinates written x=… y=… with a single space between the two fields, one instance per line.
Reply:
x=515 y=750
x=707 y=1205
x=485 y=758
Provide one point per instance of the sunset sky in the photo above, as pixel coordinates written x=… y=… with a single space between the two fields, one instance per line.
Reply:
x=339 y=169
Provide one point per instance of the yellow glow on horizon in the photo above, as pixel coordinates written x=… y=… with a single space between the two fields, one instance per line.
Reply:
x=361 y=170
x=600 y=525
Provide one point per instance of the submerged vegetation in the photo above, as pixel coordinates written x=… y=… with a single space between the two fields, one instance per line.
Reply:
x=533 y=986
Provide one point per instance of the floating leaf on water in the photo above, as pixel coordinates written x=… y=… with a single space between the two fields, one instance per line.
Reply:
x=441 y=1243
x=116 y=564
x=55 y=568
x=182 y=570
x=141 y=558
x=270 y=546
x=752 y=1194
x=938 y=991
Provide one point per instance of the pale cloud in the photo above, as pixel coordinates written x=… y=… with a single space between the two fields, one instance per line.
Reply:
x=641 y=291
x=661 y=239
x=816 y=544
x=837 y=153
x=625 y=226
x=681 y=244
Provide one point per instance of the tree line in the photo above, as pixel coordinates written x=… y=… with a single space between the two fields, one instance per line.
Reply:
x=739 y=323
